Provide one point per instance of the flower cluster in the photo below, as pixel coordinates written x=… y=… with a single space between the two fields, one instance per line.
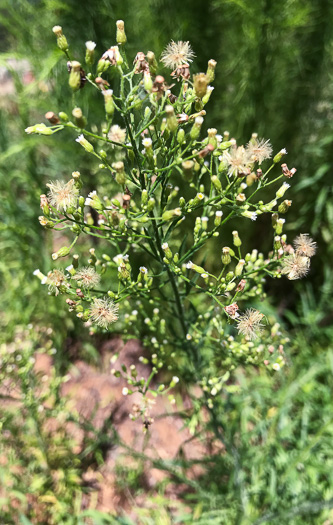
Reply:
x=164 y=192
x=297 y=265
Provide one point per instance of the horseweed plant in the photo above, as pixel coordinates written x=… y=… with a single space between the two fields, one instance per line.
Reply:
x=172 y=189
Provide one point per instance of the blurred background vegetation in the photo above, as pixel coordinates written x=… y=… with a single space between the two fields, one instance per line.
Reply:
x=274 y=77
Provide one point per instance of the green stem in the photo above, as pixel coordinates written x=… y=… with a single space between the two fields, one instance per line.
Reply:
x=136 y=152
x=172 y=281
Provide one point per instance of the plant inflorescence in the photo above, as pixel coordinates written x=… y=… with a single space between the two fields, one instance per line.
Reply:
x=163 y=265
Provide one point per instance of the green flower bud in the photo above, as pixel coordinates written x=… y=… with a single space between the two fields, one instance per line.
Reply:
x=40 y=275
x=85 y=144
x=148 y=145
x=167 y=251
x=230 y=287
x=187 y=167
x=76 y=228
x=198 y=269
x=199 y=198
x=197 y=226
x=143 y=274
x=212 y=132
x=181 y=136
x=200 y=82
x=40 y=129
x=121 y=35
x=172 y=122
x=163 y=126
x=108 y=102
x=206 y=97
x=43 y=221
x=75 y=75
x=251 y=179
x=279 y=226
x=281 y=191
x=80 y=120
x=123 y=273
x=94 y=201
x=229 y=276
x=250 y=215
x=144 y=197
x=217 y=183
x=171 y=214
x=147 y=82
x=120 y=172
x=226 y=144
x=61 y=39
x=93 y=257
x=240 y=199
x=195 y=131
x=222 y=166
x=269 y=206
x=46 y=210
x=174 y=381
x=173 y=193
x=90 y=52
x=279 y=156
x=151 y=204
x=70 y=210
x=275 y=217
x=89 y=219
x=147 y=113
x=284 y=206
x=102 y=66
x=277 y=242
x=81 y=201
x=218 y=218
x=204 y=223
x=63 y=252
x=152 y=62
x=226 y=259
x=63 y=116
x=239 y=267
x=77 y=178
x=236 y=239
x=210 y=74
x=75 y=261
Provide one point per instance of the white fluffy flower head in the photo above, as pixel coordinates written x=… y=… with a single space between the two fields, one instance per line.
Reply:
x=249 y=324
x=61 y=195
x=259 y=150
x=176 y=54
x=87 y=277
x=237 y=159
x=117 y=134
x=103 y=312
